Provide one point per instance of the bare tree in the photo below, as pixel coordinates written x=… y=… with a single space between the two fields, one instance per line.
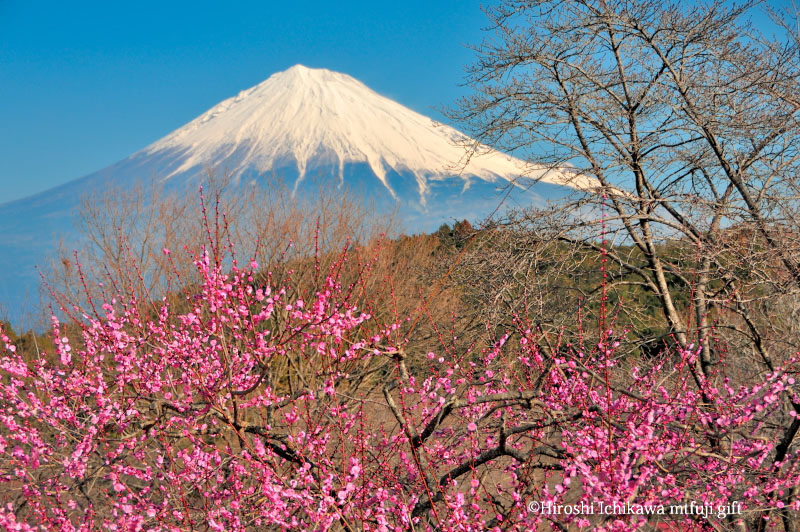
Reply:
x=688 y=116
x=124 y=231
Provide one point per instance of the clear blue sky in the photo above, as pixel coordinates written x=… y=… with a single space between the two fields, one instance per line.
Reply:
x=85 y=84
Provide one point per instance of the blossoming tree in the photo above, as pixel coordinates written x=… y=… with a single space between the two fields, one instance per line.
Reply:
x=172 y=416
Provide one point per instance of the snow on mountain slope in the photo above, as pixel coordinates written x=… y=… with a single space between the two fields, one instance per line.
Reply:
x=314 y=117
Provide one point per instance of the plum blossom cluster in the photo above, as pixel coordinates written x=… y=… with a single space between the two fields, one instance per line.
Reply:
x=249 y=406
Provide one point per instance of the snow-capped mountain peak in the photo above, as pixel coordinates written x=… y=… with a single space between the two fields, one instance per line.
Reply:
x=312 y=116
x=297 y=123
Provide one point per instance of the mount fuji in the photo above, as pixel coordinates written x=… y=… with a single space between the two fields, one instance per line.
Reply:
x=298 y=123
